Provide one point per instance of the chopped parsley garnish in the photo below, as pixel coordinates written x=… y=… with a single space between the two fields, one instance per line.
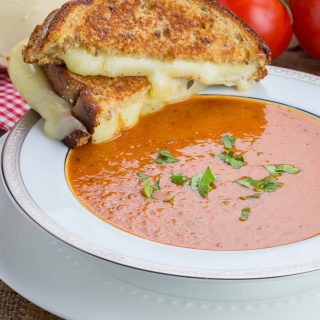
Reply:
x=228 y=141
x=203 y=182
x=170 y=200
x=232 y=159
x=149 y=189
x=165 y=157
x=246 y=182
x=245 y=214
x=277 y=170
x=179 y=179
x=156 y=186
x=194 y=181
x=142 y=176
x=252 y=196
x=267 y=184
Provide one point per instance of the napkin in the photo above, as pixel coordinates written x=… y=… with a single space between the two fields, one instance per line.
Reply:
x=12 y=105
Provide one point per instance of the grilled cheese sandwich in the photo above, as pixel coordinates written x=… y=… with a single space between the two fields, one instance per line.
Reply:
x=176 y=48
x=95 y=111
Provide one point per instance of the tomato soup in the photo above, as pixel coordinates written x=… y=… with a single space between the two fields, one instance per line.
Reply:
x=216 y=173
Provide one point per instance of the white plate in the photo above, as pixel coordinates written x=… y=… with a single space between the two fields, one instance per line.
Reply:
x=75 y=285
x=33 y=167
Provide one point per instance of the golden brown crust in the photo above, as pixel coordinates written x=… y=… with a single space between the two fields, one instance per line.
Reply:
x=68 y=85
x=87 y=110
x=62 y=82
x=166 y=30
x=259 y=42
x=91 y=96
x=77 y=139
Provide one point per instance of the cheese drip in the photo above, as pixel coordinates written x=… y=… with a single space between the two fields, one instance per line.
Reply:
x=32 y=84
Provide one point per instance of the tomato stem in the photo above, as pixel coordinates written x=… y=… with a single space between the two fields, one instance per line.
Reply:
x=288 y=9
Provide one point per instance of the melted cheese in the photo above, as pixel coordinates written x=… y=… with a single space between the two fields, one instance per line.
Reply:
x=107 y=129
x=128 y=113
x=32 y=84
x=161 y=74
x=170 y=83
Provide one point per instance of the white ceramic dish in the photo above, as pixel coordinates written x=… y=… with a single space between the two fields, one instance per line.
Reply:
x=33 y=167
x=75 y=285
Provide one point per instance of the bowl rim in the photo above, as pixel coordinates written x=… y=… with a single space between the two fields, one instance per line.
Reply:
x=10 y=167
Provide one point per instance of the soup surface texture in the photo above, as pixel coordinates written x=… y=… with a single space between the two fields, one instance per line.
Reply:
x=104 y=177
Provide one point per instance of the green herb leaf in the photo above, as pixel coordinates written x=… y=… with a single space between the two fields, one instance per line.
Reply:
x=194 y=181
x=205 y=182
x=277 y=170
x=273 y=170
x=179 y=179
x=232 y=159
x=228 y=141
x=252 y=196
x=267 y=184
x=222 y=156
x=156 y=185
x=237 y=163
x=148 y=191
x=245 y=214
x=142 y=176
x=170 y=200
x=166 y=157
x=246 y=182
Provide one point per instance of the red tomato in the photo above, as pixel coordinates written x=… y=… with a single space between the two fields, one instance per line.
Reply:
x=268 y=18
x=306 y=14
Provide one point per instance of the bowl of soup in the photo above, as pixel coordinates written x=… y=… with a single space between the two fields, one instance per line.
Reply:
x=144 y=181
x=223 y=186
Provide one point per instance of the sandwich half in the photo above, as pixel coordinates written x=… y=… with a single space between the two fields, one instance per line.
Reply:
x=124 y=58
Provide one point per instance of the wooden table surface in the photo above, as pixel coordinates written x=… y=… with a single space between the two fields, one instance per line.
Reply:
x=13 y=306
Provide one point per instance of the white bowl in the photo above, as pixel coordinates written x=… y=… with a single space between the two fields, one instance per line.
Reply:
x=33 y=169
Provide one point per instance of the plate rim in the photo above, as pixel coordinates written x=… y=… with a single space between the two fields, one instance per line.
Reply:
x=10 y=164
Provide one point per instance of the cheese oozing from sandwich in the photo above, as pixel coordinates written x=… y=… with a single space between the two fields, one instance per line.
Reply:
x=33 y=85
x=165 y=76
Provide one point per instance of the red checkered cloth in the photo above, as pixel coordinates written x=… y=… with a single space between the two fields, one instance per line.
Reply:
x=12 y=105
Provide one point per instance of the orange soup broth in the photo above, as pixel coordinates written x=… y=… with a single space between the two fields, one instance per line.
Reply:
x=104 y=176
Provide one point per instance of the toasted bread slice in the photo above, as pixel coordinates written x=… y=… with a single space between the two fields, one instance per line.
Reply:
x=103 y=105
x=162 y=40
x=78 y=109
x=127 y=58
